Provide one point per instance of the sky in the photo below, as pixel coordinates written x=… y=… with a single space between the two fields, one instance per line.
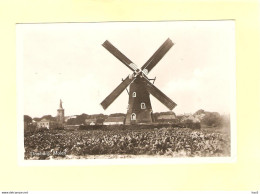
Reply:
x=67 y=61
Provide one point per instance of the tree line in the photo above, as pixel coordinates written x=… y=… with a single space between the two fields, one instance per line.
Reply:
x=212 y=119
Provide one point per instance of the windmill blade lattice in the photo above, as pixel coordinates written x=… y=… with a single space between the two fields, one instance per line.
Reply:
x=116 y=92
x=139 y=105
x=152 y=89
x=157 y=56
x=114 y=51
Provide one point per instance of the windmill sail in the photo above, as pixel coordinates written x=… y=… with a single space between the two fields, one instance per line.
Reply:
x=158 y=55
x=114 y=51
x=159 y=95
x=116 y=92
x=137 y=75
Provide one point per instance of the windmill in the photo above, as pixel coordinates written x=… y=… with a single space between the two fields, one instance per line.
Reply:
x=139 y=107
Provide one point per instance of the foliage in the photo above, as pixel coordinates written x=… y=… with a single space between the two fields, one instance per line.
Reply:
x=27 y=119
x=164 y=141
x=28 y=123
x=80 y=119
x=212 y=119
x=36 y=119
x=48 y=117
x=29 y=127
x=190 y=124
x=201 y=111
x=225 y=121
x=126 y=127
x=117 y=115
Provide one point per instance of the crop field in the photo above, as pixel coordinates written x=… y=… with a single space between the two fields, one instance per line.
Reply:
x=164 y=142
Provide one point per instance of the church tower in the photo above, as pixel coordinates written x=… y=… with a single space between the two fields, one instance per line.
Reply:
x=60 y=114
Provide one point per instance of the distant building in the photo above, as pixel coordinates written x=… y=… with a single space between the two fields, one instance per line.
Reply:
x=60 y=115
x=45 y=123
x=114 y=121
x=169 y=118
x=49 y=123
x=91 y=121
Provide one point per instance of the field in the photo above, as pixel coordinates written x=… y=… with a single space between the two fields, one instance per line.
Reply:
x=164 y=142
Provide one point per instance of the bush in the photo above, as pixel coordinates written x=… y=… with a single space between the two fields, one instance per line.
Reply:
x=212 y=119
x=126 y=127
x=42 y=129
x=190 y=124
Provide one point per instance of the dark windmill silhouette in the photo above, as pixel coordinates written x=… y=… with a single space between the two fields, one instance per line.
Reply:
x=139 y=106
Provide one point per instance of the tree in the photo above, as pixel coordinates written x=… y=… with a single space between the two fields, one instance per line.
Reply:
x=79 y=120
x=225 y=120
x=212 y=119
x=49 y=117
x=201 y=111
x=27 y=119
x=117 y=115
x=71 y=121
x=28 y=123
x=36 y=119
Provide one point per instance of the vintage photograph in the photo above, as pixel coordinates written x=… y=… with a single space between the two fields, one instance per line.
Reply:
x=126 y=90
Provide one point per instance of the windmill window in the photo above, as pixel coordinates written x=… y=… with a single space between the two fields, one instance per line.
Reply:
x=143 y=105
x=133 y=116
x=134 y=94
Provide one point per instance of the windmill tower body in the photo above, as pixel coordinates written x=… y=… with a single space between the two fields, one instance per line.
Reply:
x=139 y=106
x=60 y=115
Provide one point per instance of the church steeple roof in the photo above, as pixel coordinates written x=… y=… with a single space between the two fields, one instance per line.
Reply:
x=61 y=104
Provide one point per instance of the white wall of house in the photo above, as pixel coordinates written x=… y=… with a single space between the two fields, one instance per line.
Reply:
x=43 y=124
x=113 y=123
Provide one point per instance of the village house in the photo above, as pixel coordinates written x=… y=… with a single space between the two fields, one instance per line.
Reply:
x=51 y=124
x=45 y=123
x=165 y=117
x=114 y=121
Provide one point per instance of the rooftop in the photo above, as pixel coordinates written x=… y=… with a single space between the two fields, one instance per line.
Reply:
x=91 y=120
x=115 y=119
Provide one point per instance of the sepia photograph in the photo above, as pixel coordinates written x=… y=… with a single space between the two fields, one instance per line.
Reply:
x=126 y=90
x=138 y=96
